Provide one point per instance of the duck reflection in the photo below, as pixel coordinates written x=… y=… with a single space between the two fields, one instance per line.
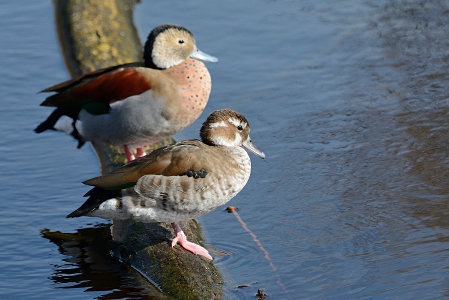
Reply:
x=91 y=265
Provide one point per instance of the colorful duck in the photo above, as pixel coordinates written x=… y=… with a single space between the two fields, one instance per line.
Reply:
x=135 y=104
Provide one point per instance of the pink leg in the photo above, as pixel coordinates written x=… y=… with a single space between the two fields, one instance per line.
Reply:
x=140 y=152
x=129 y=154
x=192 y=247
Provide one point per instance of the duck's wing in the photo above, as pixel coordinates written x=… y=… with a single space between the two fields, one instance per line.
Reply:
x=95 y=91
x=174 y=160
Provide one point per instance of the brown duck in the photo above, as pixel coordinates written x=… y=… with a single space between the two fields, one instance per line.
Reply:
x=178 y=182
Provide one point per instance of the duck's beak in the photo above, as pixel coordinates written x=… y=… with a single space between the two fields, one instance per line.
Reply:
x=248 y=145
x=198 y=54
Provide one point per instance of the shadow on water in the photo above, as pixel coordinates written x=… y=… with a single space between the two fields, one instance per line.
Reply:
x=90 y=265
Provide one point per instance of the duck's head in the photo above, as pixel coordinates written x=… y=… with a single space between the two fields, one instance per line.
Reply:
x=168 y=45
x=226 y=127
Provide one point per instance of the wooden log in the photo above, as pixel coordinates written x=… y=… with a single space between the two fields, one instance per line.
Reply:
x=96 y=34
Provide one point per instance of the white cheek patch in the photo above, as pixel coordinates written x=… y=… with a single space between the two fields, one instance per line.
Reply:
x=222 y=141
x=238 y=139
x=219 y=140
x=237 y=122
x=218 y=124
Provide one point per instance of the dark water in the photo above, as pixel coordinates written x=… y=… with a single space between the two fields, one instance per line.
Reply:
x=348 y=99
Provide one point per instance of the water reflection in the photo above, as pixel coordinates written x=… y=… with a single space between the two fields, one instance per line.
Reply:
x=90 y=266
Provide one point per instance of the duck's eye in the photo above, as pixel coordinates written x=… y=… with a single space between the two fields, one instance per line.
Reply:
x=181 y=41
x=240 y=127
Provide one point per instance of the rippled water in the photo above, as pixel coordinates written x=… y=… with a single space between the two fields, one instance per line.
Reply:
x=348 y=99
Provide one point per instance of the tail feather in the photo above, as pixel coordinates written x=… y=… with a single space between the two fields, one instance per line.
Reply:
x=50 y=122
x=96 y=197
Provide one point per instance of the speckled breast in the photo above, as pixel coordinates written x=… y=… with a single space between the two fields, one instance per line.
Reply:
x=194 y=84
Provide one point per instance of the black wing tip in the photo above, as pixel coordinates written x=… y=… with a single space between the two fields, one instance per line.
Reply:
x=74 y=214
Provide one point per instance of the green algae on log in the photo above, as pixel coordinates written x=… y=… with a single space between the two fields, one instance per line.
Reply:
x=96 y=34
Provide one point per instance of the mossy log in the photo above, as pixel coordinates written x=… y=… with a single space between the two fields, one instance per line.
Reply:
x=96 y=34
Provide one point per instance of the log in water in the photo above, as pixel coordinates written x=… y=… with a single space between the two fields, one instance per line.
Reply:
x=98 y=34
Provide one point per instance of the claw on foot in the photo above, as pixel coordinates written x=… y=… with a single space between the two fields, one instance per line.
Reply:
x=192 y=247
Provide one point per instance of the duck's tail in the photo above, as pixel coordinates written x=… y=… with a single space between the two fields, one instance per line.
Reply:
x=55 y=116
x=96 y=197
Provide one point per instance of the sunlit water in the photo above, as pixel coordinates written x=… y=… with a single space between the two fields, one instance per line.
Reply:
x=348 y=99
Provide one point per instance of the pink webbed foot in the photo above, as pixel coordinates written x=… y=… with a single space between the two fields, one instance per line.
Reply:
x=192 y=247
x=129 y=155
x=140 y=152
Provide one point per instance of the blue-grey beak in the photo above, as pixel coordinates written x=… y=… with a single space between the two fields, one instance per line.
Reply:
x=198 y=54
x=248 y=145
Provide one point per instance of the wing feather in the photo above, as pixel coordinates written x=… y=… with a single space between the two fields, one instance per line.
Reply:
x=172 y=160
x=104 y=86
